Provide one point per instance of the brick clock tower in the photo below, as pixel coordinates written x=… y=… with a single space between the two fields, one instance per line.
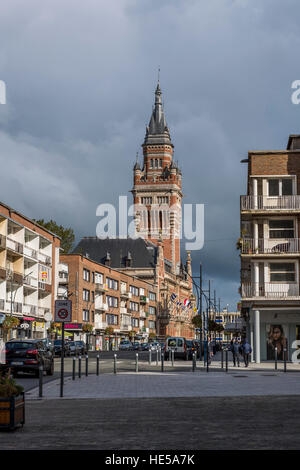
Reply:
x=157 y=189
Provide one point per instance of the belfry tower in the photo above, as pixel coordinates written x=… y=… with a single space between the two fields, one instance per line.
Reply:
x=157 y=189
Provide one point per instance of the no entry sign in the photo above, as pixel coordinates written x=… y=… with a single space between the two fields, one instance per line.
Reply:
x=63 y=311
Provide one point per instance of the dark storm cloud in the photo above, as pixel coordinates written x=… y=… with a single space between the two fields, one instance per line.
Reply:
x=80 y=79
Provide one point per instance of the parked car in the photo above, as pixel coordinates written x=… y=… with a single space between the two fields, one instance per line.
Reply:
x=24 y=355
x=182 y=348
x=73 y=348
x=135 y=346
x=154 y=346
x=125 y=345
x=81 y=347
x=49 y=344
x=58 y=347
x=144 y=346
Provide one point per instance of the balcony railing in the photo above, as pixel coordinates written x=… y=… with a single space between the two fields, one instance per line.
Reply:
x=125 y=327
x=269 y=246
x=63 y=277
x=100 y=305
x=2 y=241
x=44 y=258
x=267 y=203
x=29 y=309
x=2 y=304
x=28 y=251
x=100 y=325
x=270 y=290
x=125 y=294
x=16 y=306
x=30 y=281
x=43 y=310
x=14 y=245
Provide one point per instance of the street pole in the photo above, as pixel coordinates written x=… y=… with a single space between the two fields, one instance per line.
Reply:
x=62 y=359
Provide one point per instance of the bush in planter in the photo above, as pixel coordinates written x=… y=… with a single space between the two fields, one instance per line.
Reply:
x=9 y=387
x=12 y=403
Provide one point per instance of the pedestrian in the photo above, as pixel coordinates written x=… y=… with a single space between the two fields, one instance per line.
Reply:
x=236 y=352
x=246 y=351
x=210 y=350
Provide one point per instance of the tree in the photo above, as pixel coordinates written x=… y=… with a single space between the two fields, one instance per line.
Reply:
x=197 y=321
x=109 y=331
x=66 y=234
x=87 y=328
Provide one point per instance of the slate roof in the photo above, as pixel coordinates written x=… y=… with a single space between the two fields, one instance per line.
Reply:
x=142 y=252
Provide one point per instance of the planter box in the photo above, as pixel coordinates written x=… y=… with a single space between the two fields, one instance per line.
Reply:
x=12 y=412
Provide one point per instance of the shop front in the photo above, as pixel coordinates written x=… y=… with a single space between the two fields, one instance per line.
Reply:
x=25 y=329
x=274 y=331
x=74 y=331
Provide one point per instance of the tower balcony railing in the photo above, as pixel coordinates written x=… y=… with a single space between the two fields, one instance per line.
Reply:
x=269 y=203
x=270 y=290
x=272 y=246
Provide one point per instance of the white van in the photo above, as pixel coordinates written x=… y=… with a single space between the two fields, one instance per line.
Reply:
x=178 y=345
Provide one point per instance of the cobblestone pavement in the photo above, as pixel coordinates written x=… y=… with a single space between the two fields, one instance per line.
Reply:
x=174 y=384
x=159 y=424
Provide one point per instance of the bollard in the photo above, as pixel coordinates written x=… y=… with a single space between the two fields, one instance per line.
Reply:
x=115 y=363
x=136 y=362
x=157 y=356
x=170 y=354
x=98 y=359
x=226 y=360
x=79 y=366
x=222 y=359
x=207 y=363
x=86 y=365
x=150 y=358
x=275 y=358
x=41 y=381
x=194 y=362
x=173 y=356
x=284 y=358
x=74 y=367
x=162 y=361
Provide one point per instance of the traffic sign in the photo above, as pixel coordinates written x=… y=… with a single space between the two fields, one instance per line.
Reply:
x=63 y=311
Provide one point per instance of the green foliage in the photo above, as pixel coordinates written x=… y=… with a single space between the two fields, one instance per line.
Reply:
x=109 y=331
x=197 y=321
x=87 y=327
x=9 y=387
x=10 y=322
x=66 y=234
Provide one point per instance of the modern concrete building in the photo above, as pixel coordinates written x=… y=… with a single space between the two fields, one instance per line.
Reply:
x=270 y=250
x=29 y=256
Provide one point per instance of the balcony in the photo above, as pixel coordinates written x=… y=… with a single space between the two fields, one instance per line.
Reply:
x=63 y=277
x=43 y=310
x=142 y=314
x=30 y=252
x=144 y=299
x=125 y=327
x=125 y=295
x=100 y=305
x=270 y=203
x=15 y=277
x=30 y=281
x=100 y=287
x=270 y=246
x=29 y=309
x=14 y=246
x=2 y=274
x=44 y=259
x=2 y=304
x=15 y=308
x=100 y=325
x=270 y=290
x=123 y=310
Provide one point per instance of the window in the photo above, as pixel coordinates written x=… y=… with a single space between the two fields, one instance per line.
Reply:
x=111 y=319
x=160 y=163
x=152 y=296
x=134 y=306
x=112 y=284
x=282 y=272
x=152 y=325
x=163 y=200
x=85 y=315
x=280 y=187
x=146 y=200
x=86 y=275
x=93 y=296
x=112 y=301
x=98 y=278
x=134 y=290
x=281 y=229
x=151 y=163
x=135 y=322
x=86 y=295
x=156 y=163
x=152 y=310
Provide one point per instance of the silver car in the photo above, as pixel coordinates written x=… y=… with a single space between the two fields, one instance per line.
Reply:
x=125 y=346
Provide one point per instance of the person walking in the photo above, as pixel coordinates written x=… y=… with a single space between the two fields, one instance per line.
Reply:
x=246 y=351
x=235 y=353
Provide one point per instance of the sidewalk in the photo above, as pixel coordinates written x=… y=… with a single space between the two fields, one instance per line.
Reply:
x=173 y=384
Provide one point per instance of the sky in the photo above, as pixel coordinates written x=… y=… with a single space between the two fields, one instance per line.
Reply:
x=80 y=80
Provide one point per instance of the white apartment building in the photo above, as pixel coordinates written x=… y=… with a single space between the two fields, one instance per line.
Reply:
x=29 y=256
